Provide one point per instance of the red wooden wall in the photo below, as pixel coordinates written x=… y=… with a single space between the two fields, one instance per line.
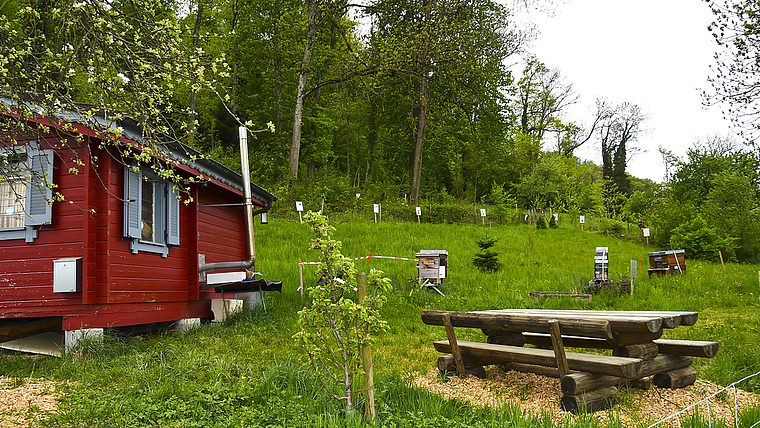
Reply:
x=119 y=288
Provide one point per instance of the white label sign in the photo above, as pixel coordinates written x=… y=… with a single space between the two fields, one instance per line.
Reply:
x=418 y=210
x=646 y=232
x=556 y=217
x=583 y=219
x=299 y=206
x=377 y=208
x=482 y=212
x=358 y=195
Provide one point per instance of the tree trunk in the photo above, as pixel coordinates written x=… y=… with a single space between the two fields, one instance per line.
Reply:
x=278 y=91
x=295 y=144
x=420 y=141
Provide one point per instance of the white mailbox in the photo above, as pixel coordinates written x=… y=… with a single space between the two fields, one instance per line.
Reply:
x=67 y=275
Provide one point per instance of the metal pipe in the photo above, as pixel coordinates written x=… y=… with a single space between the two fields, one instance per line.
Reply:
x=250 y=262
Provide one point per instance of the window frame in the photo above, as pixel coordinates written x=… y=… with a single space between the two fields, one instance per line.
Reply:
x=36 y=168
x=165 y=211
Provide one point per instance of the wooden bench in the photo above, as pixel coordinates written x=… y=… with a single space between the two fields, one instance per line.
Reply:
x=640 y=356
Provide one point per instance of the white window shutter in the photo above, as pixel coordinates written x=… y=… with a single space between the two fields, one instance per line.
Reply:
x=132 y=200
x=172 y=215
x=39 y=194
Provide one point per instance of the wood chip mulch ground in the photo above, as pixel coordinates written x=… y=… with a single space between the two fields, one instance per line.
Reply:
x=24 y=401
x=535 y=394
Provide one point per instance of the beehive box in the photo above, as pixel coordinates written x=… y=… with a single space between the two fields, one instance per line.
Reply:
x=671 y=261
x=431 y=264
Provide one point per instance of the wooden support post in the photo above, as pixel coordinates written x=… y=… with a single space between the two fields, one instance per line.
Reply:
x=645 y=350
x=369 y=383
x=590 y=401
x=559 y=348
x=300 y=276
x=454 y=346
x=720 y=254
x=676 y=378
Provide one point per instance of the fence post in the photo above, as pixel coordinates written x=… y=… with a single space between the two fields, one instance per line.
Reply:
x=369 y=382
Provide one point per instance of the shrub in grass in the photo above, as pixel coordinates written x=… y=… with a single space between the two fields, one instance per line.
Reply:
x=335 y=328
x=540 y=222
x=552 y=222
x=486 y=260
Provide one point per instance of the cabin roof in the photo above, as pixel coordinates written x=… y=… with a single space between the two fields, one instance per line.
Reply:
x=131 y=130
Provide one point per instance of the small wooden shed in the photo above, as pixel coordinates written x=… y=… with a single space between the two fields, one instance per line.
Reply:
x=120 y=246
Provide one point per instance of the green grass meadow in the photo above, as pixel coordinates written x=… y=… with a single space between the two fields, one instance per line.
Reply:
x=248 y=372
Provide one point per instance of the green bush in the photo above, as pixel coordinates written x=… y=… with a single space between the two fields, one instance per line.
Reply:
x=540 y=222
x=701 y=241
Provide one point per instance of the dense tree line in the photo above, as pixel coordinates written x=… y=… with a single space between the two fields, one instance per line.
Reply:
x=401 y=100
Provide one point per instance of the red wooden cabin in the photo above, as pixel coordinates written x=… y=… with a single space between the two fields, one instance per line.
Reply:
x=121 y=249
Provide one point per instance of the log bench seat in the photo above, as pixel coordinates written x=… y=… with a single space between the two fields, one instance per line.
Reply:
x=641 y=358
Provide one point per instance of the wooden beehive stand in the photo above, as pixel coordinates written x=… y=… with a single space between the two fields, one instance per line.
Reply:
x=589 y=382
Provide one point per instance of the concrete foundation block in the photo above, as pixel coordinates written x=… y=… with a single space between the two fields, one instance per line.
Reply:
x=73 y=337
x=217 y=307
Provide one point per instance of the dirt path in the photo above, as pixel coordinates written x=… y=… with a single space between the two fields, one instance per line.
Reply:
x=536 y=394
x=17 y=397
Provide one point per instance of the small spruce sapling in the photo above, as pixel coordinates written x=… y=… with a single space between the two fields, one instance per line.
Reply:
x=552 y=222
x=540 y=222
x=486 y=260
x=336 y=327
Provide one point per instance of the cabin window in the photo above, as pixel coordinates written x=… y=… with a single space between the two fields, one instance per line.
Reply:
x=151 y=211
x=26 y=174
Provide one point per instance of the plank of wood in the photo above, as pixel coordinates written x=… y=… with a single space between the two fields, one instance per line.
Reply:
x=454 y=347
x=625 y=339
x=602 y=364
x=532 y=368
x=694 y=348
x=545 y=341
x=446 y=363
x=621 y=323
x=684 y=317
x=645 y=350
x=559 y=348
x=576 y=383
x=501 y=323
x=513 y=339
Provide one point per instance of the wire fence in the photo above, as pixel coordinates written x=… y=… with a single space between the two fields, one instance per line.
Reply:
x=706 y=401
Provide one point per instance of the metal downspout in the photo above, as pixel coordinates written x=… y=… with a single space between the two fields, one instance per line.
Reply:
x=250 y=262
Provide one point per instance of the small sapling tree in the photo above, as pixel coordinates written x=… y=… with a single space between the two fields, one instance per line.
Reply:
x=540 y=222
x=336 y=327
x=486 y=260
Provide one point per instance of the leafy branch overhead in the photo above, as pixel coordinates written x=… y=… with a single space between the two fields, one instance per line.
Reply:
x=337 y=326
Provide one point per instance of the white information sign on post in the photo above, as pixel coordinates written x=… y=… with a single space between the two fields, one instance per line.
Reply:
x=583 y=219
x=482 y=212
x=418 y=210
x=299 y=208
x=646 y=232
x=376 y=208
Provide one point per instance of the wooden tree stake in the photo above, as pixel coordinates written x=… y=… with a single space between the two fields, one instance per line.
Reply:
x=454 y=346
x=720 y=254
x=369 y=382
x=559 y=349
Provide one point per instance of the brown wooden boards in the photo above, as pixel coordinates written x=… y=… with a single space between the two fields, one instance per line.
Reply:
x=603 y=364
x=590 y=401
x=575 y=383
x=671 y=319
x=618 y=322
x=694 y=348
x=545 y=341
x=599 y=327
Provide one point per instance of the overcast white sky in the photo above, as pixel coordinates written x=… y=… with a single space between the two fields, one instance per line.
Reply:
x=652 y=53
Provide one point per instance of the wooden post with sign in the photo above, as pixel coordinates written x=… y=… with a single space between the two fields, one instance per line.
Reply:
x=582 y=221
x=299 y=208
x=418 y=210
x=376 y=209
x=483 y=216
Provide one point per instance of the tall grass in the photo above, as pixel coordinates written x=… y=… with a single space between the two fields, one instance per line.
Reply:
x=248 y=371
